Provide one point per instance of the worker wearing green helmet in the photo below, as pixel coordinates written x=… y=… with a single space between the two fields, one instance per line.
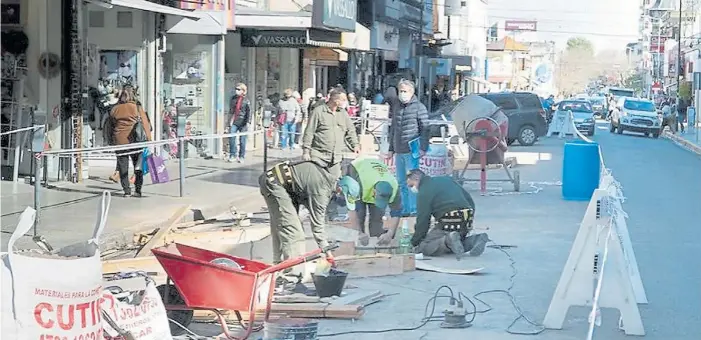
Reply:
x=379 y=190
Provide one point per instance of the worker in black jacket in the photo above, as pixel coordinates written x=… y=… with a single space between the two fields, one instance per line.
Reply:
x=453 y=209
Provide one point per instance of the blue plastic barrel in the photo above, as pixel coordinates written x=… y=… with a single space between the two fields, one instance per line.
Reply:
x=581 y=169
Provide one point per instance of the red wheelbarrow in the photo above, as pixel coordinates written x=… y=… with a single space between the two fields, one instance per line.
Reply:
x=202 y=285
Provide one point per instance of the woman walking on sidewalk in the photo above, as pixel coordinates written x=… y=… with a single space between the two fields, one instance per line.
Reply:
x=131 y=125
x=240 y=117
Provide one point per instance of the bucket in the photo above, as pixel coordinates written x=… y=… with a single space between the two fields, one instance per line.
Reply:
x=581 y=170
x=290 y=329
x=331 y=285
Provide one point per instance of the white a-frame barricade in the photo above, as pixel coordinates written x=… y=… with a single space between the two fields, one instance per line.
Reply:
x=561 y=124
x=622 y=287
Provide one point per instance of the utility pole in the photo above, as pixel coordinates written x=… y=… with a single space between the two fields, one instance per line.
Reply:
x=419 y=80
x=679 y=72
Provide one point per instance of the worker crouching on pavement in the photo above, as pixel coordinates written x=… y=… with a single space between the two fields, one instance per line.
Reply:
x=453 y=209
x=378 y=189
x=285 y=187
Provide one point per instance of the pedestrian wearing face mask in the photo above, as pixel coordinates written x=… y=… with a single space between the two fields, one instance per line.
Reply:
x=239 y=118
x=408 y=139
x=329 y=133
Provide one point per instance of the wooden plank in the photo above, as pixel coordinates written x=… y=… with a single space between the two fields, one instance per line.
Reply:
x=295 y=310
x=157 y=240
x=370 y=265
x=145 y=263
x=421 y=265
x=408 y=262
x=296 y=298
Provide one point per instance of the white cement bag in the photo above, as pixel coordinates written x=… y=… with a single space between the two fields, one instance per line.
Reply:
x=436 y=161
x=51 y=297
x=146 y=321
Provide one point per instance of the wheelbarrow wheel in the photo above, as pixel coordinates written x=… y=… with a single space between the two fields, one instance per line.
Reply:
x=183 y=317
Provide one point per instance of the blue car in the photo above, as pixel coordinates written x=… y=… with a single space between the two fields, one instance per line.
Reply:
x=583 y=115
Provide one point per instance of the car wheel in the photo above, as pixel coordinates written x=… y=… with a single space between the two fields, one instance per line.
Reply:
x=613 y=128
x=620 y=130
x=527 y=135
x=590 y=133
x=655 y=135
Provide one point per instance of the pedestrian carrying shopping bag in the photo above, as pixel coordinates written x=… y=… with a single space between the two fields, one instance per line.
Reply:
x=144 y=161
x=53 y=295
x=158 y=170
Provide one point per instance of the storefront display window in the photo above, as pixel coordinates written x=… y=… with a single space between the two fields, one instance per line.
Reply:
x=188 y=90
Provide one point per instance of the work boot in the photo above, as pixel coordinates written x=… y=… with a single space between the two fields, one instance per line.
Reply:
x=454 y=243
x=475 y=244
x=115 y=177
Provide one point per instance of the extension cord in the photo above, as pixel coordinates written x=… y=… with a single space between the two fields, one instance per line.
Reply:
x=455 y=316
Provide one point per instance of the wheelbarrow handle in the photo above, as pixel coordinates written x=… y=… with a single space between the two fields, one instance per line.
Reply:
x=308 y=257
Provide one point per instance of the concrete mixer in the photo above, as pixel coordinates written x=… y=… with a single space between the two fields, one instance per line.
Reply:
x=483 y=126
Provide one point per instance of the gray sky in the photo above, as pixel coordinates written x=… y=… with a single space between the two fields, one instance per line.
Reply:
x=609 y=24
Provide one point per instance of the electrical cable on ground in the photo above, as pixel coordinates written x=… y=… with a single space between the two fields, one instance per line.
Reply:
x=428 y=317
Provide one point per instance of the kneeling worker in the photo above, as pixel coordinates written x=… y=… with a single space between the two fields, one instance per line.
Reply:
x=285 y=187
x=453 y=209
x=378 y=189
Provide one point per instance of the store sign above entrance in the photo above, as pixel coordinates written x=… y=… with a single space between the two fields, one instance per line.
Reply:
x=336 y=15
x=255 y=38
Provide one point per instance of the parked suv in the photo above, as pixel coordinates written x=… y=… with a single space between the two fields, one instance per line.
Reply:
x=527 y=118
x=636 y=115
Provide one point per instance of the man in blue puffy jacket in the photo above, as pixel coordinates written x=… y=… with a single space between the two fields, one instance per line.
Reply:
x=408 y=139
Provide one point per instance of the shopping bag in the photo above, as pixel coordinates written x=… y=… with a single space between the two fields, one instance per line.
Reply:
x=57 y=295
x=145 y=320
x=144 y=161
x=158 y=170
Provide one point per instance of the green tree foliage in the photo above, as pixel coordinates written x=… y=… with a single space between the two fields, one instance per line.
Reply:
x=580 y=44
x=634 y=81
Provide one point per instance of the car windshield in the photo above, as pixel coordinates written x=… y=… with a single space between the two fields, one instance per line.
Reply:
x=637 y=105
x=597 y=101
x=575 y=107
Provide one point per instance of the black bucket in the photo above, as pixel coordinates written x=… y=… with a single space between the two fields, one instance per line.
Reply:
x=290 y=329
x=327 y=286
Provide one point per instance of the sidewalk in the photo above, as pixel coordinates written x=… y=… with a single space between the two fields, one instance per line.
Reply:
x=690 y=139
x=68 y=210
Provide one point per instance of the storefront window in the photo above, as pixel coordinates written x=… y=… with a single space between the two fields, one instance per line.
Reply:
x=188 y=90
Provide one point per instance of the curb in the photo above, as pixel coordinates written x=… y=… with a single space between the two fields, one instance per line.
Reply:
x=696 y=149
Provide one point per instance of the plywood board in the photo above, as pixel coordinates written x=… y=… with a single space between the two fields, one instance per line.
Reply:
x=228 y=236
x=421 y=265
x=362 y=298
x=157 y=240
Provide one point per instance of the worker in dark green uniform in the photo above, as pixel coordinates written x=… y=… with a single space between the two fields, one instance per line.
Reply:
x=453 y=209
x=330 y=133
x=285 y=187
x=378 y=190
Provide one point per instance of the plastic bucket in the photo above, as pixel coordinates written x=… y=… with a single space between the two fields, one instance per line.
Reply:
x=581 y=170
x=290 y=329
x=331 y=285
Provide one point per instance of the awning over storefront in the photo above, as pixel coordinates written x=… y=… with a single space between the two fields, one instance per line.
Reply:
x=255 y=18
x=322 y=38
x=358 y=40
x=210 y=23
x=147 y=6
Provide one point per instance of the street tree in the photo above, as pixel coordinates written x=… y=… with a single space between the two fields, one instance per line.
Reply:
x=576 y=66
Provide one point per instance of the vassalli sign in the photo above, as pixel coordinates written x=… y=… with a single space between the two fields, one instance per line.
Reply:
x=336 y=15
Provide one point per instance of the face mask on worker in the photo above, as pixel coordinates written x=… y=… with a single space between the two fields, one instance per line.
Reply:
x=405 y=97
x=414 y=189
x=343 y=104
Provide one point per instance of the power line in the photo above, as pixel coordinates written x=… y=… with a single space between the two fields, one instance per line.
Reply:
x=636 y=35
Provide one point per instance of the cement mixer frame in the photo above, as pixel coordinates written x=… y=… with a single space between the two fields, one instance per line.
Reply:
x=486 y=130
x=483 y=127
